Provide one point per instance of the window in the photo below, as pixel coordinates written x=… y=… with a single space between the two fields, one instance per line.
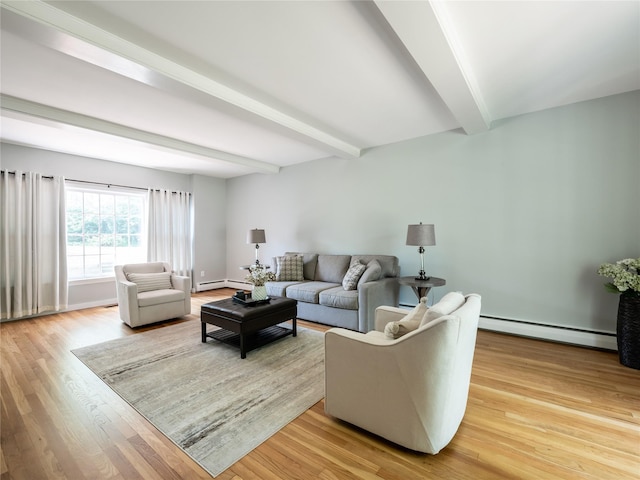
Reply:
x=104 y=228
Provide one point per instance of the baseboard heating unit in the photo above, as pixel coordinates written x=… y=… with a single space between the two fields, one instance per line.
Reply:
x=554 y=333
x=210 y=285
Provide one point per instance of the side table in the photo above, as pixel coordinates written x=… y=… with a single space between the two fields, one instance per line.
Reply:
x=421 y=287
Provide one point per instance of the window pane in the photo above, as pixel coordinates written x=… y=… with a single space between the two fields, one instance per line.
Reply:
x=107 y=205
x=92 y=266
x=122 y=205
x=91 y=203
x=136 y=206
x=74 y=222
x=74 y=202
x=135 y=225
x=74 y=241
x=107 y=241
x=91 y=223
x=122 y=224
x=106 y=266
x=122 y=240
x=106 y=225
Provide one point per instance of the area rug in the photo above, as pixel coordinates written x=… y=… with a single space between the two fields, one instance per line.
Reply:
x=209 y=402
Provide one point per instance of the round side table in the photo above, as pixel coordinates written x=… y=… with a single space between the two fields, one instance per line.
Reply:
x=421 y=287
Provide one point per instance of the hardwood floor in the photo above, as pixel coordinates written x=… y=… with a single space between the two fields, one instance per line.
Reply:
x=536 y=410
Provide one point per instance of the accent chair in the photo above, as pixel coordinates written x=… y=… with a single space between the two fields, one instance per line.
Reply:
x=411 y=390
x=151 y=292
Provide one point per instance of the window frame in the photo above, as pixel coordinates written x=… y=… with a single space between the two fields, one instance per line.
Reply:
x=116 y=191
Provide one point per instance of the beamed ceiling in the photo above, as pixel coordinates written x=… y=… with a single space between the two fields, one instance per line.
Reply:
x=237 y=87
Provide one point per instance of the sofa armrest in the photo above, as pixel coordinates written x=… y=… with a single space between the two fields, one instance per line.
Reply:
x=372 y=295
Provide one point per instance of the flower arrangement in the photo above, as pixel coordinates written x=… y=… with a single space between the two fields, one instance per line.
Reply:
x=625 y=274
x=258 y=275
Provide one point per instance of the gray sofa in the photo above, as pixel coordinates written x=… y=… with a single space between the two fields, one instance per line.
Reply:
x=321 y=294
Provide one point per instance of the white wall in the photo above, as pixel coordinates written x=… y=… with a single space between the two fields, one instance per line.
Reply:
x=524 y=213
x=208 y=196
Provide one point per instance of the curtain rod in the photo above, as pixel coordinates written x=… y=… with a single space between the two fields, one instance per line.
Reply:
x=99 y=183
x=116 y=185
x=107 y=184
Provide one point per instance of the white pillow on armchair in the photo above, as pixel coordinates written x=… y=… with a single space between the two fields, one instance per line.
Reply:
x=409 y=323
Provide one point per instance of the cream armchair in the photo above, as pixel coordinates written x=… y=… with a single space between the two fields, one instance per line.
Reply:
x=150 y=292
x=411 y=390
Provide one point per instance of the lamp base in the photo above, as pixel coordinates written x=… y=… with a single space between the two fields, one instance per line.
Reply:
x=422 y=276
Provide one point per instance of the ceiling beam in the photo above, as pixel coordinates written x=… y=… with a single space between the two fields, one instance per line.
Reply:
x=66 y=117
x=77 y=28
x=425 y=30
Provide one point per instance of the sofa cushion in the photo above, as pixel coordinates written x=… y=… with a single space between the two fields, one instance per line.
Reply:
x=372 y=273
x=289 y=268
x=278 y=289
x=447 y=305
x=309 y=292
x=157 y=297
x=351 y=278
x=388 y=263
x=332 y=268
x=340 y=298
x=409 y=323
x=147 y=282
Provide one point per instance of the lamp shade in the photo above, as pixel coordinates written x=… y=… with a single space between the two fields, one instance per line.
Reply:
x=421 y=235
x=256 y=236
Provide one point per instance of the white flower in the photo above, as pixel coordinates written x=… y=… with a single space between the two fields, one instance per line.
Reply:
x=625 y=275
x=258 y=275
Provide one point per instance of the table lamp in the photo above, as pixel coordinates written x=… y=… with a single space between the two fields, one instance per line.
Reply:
x=420 y=236
x=256 y=236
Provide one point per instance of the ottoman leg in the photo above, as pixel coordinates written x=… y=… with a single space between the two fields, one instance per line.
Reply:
x=243 y=353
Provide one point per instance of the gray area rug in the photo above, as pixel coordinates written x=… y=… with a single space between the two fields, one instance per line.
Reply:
x=203 y=397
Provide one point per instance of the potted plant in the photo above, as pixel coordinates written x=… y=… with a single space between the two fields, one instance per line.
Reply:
x=258 y=276
x=625 y=276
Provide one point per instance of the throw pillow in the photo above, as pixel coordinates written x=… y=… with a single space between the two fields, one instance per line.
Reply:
x=447 y=305
x=147 y=282
x=289 y=268
x=350 y=280
x=409 y=323
x=372 y=273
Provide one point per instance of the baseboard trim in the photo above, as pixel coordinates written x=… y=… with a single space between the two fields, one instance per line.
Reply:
x=554 y=333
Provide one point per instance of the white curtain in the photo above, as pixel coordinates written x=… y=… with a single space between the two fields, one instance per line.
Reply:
x=169 y=230
x=33 y=247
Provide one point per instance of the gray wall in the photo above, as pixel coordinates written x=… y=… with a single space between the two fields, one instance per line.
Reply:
x=208 y=197
x=524 y=214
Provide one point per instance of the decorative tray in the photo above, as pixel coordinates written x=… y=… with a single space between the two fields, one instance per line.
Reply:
x=250 y=302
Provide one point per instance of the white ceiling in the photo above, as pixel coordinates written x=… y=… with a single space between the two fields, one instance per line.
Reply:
x=231 y=88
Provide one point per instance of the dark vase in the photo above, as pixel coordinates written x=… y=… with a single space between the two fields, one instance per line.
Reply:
x=628 y=329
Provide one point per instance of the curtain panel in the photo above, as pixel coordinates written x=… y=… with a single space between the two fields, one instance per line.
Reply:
x=32 y=244
x=169 y=230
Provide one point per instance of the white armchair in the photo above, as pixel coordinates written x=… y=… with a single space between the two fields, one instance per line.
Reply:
x=411 y=390
x=150 y=292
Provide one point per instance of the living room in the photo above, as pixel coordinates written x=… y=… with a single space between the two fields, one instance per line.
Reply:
x=525 y=211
